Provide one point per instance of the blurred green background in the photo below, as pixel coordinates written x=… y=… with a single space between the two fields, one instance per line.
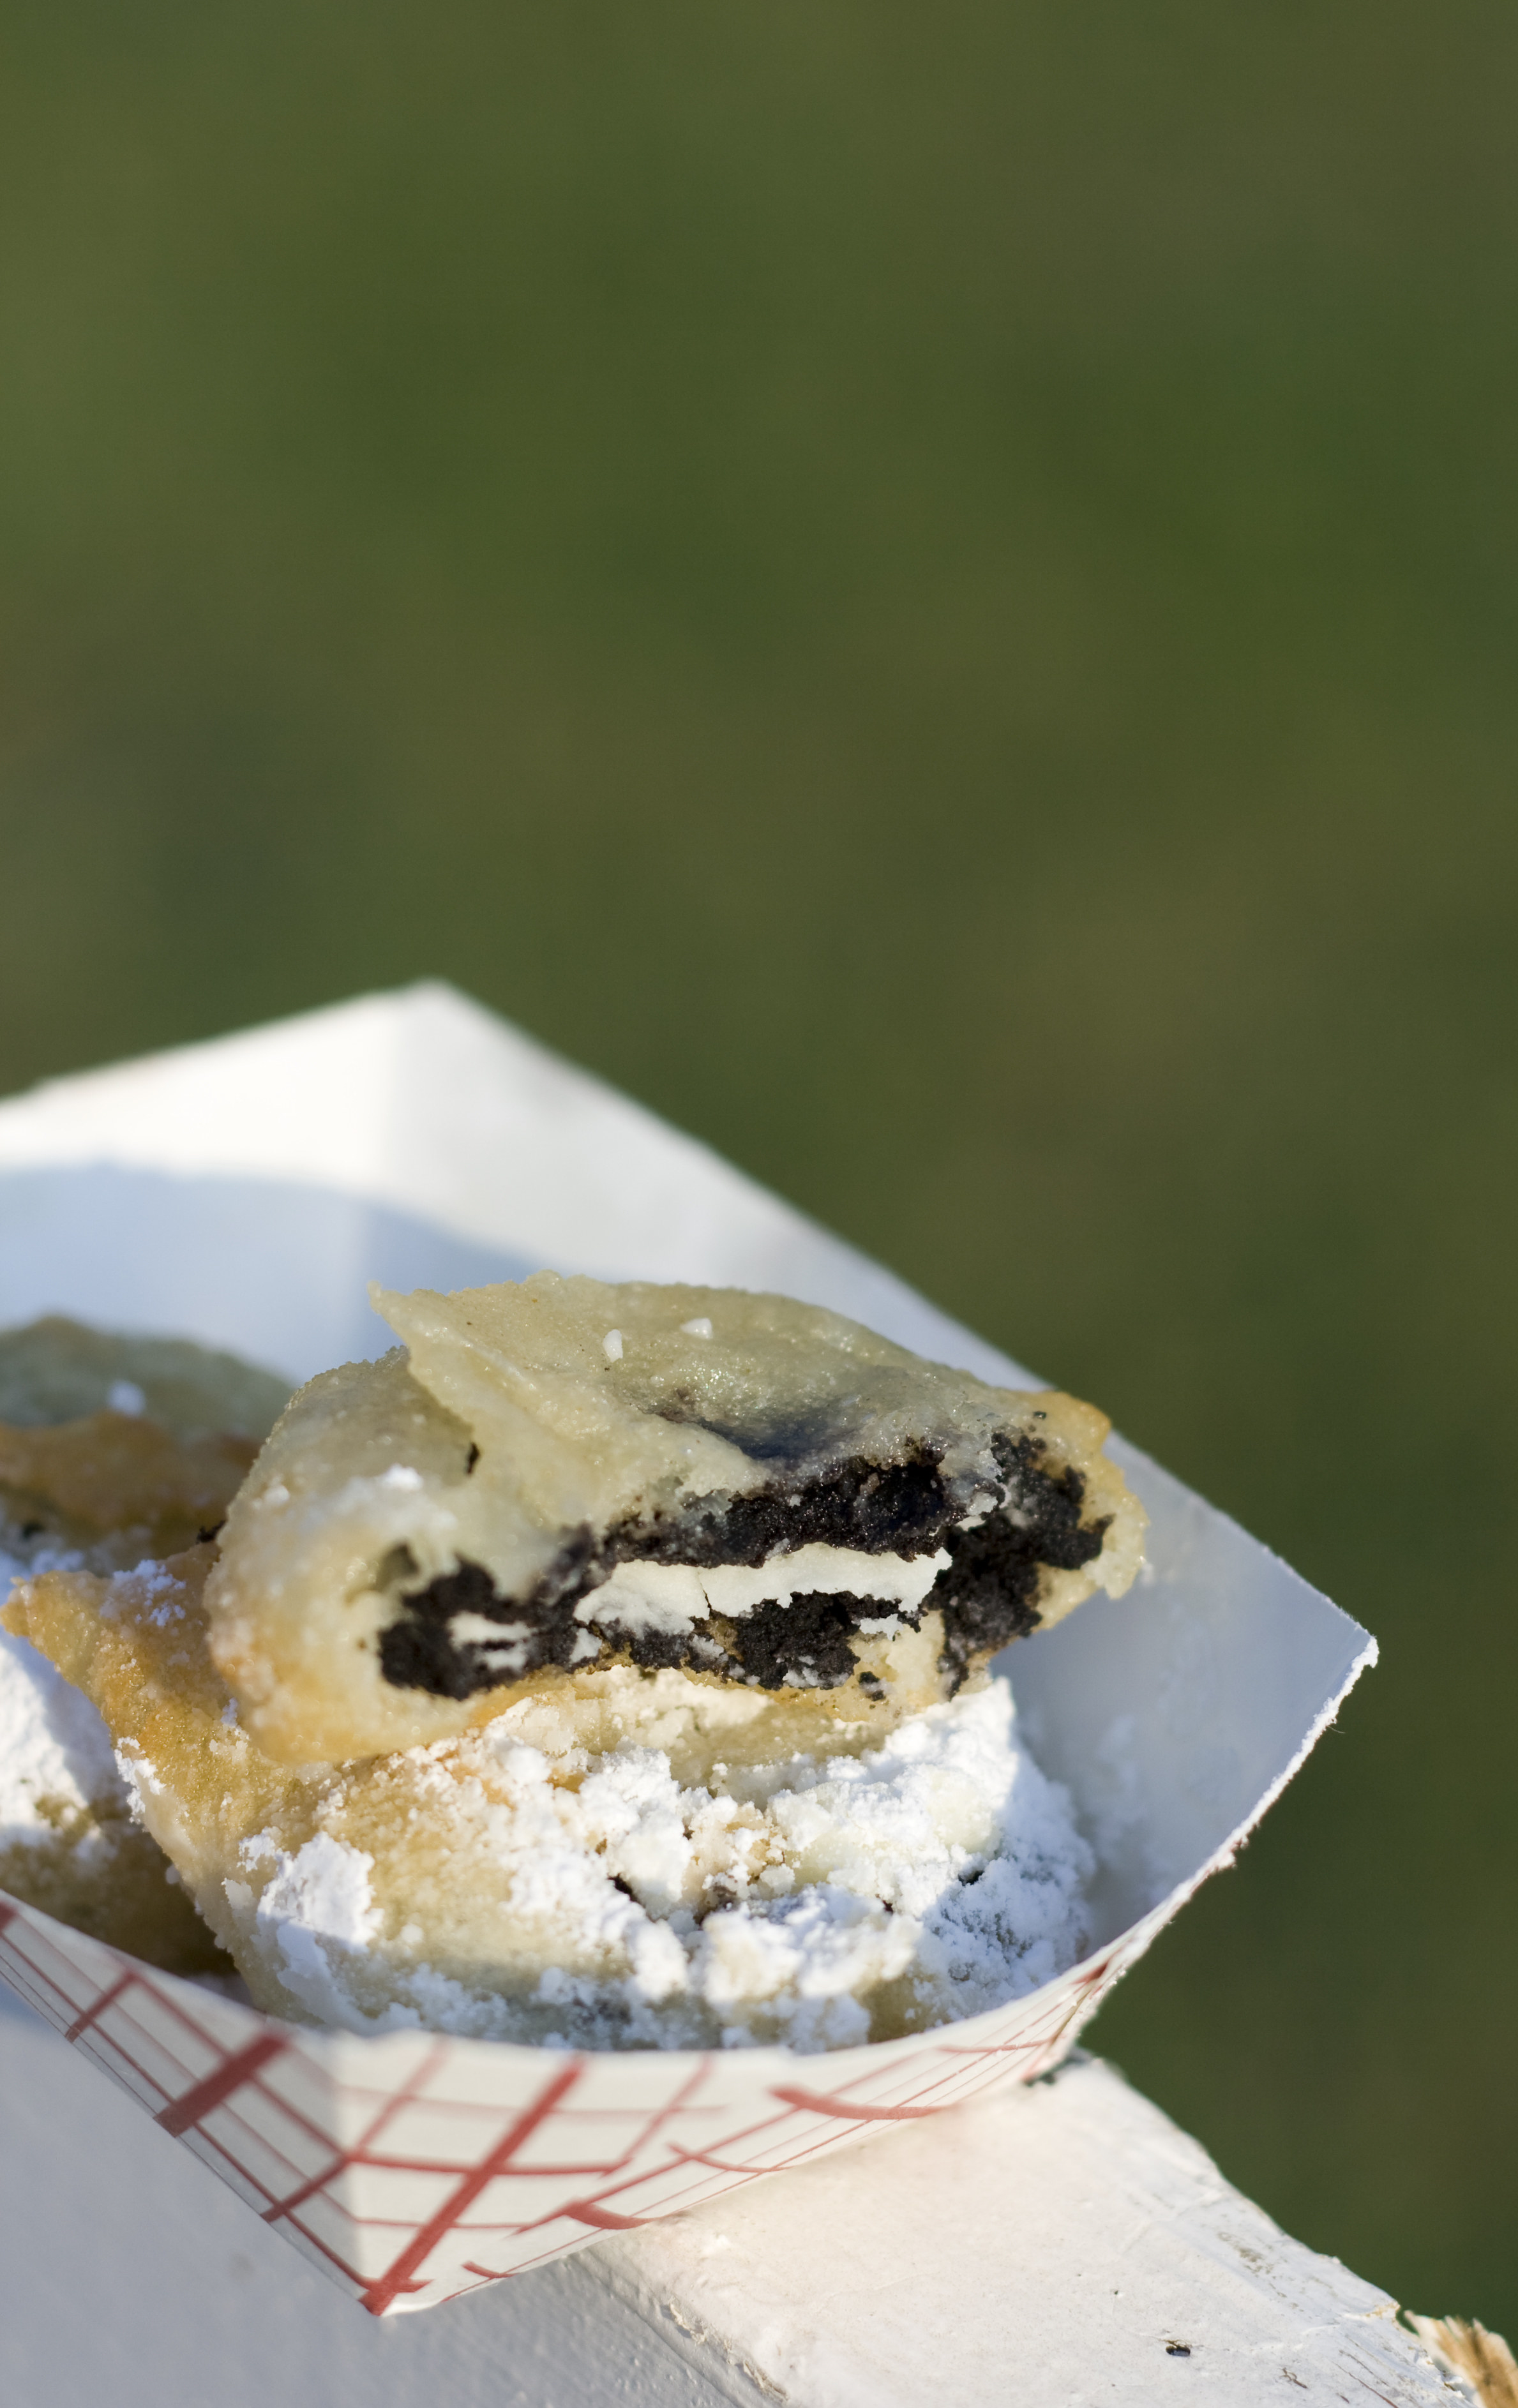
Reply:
x=933 y=591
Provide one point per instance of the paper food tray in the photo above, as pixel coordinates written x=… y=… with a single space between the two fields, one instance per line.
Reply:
x=242 y=1193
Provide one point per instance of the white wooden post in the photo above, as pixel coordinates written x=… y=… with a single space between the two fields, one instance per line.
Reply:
x=1039 y=2248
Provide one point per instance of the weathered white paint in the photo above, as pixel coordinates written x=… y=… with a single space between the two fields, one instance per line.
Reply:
x=1040 y=2245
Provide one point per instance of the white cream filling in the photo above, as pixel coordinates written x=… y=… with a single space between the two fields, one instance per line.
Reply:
x=506 y=1644
x=672 y=1598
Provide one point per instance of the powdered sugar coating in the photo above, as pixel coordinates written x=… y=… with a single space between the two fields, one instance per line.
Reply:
x=819 y=1903
x=69 y=1839
x=55 y=1751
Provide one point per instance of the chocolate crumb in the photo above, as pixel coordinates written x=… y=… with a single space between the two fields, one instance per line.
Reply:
x=988 y=1594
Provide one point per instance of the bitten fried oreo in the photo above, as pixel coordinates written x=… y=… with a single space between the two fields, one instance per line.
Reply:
x=560 y=1477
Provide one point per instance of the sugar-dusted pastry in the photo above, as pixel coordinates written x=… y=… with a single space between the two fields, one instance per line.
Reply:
x=558 y=1478
x=604 y=1864
x=124 y=1445
x=112 y=1448
x=606 y=1669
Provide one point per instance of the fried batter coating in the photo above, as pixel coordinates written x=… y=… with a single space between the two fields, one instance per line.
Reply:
x=96 y=1869
x=69 y=1841
x=124 y=1447
x=112 y=1449
x=134 y=1645
x=560 y=1475
x=117 y=1483
x=56 y=1370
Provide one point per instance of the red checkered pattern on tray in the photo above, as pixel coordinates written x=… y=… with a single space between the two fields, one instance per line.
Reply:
x=412 y=2168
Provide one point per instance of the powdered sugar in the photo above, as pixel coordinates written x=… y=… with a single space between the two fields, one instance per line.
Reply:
x=942 y=1868
x=499 y=1888
x=319 y=1901
x=56 y=1760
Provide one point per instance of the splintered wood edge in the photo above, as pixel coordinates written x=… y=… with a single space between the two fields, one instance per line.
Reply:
x=1481 y=2358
